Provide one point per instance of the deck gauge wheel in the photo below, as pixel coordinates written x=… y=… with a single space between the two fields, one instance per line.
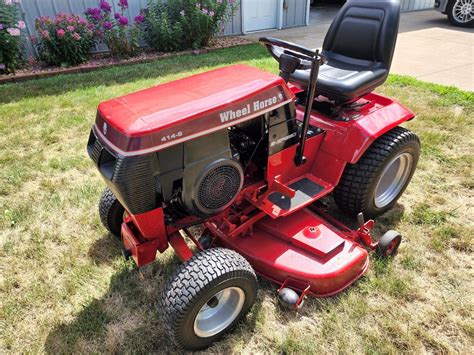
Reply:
x=388 y=244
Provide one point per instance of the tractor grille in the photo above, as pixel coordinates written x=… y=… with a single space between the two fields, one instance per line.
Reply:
x=219 y=187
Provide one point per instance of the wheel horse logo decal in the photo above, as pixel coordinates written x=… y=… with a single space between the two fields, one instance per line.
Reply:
x=104 y=128
x=248 y=109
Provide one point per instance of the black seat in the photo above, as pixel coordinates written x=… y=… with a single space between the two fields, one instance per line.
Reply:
x=359 y=48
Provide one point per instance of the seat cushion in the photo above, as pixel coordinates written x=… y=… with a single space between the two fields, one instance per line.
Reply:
x=342 y=81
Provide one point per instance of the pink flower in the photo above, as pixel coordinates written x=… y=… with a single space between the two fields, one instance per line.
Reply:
x=104 y=5
x=15 y=32
x=211 y=13
x=108 y=25
x=70 y=28
x=33 y=39
x=60 y=32
x=117 y=16
x=21 y=25
x=93 y=11
x=8 y=2
x=139 y=18
x=76 y=36
x=44 y=34
x=123 y=21
x=123 y=4
x=1 y=26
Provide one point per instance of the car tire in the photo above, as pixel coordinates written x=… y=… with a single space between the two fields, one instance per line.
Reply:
x=456 y=17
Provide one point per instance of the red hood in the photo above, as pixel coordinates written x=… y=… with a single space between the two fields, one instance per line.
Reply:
x=183 y=109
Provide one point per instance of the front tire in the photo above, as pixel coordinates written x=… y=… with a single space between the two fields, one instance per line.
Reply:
x=206 y=297
x=461 y=13
x=375 y=183
x=111 y=212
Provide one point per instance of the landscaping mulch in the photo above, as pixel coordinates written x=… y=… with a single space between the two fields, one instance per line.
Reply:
x=102 y=60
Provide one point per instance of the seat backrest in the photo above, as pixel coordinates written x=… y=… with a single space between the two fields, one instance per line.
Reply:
x=366 y=30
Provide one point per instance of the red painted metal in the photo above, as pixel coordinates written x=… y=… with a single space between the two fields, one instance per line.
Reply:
x=180 y=247
x=275 y=254
x=141 y=250
x=349 y=140
x=171 y=113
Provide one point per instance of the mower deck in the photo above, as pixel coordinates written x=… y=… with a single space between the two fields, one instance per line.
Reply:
x=304 y=252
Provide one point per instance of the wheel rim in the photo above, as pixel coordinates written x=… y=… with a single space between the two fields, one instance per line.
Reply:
x=463 y=11
x=393 y=179
x=219 y=312
x=391 y=247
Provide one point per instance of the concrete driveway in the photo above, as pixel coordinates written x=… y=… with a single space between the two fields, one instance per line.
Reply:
x=428 y=47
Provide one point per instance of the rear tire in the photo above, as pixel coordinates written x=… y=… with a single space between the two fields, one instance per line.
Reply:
x=206 y=297
x=111 y=212
x=459 y=14
x=375 y=183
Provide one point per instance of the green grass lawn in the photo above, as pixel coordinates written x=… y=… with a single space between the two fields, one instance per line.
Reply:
x=65 y=287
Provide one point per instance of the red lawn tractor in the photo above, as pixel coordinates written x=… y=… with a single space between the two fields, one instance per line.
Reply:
x=244 y=155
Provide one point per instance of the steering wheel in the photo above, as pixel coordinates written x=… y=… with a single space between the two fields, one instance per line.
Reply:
x=278 y=47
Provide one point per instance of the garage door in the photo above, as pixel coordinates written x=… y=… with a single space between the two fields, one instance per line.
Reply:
x=259 y=14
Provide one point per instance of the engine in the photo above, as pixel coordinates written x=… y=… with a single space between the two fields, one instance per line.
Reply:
x=200 y=177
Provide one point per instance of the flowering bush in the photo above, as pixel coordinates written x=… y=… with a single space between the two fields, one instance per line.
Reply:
x=184 y=24
x=117 y=33
x=10 y=35
x=66 y=40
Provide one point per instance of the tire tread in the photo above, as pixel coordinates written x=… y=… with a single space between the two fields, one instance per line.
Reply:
x=193 y=278
x=107 y=206
x=351 y=194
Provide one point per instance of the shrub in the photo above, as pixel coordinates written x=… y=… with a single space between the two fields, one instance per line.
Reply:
x=10 y=36
x=184 y=24
x=159 y=29
x=116 y=32
x=66 y=40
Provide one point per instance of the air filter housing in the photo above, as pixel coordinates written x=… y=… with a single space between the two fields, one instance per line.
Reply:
x=212 y=178
x=218 y=186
